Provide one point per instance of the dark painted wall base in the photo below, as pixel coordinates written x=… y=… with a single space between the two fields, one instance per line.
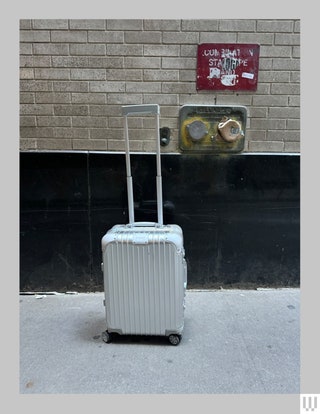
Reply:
x=240 y=215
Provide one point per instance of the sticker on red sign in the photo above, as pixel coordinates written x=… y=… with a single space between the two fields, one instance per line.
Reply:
x=228 y=66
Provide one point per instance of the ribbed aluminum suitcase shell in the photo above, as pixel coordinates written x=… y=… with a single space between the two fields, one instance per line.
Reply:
x=144 y=266
x=145 y=278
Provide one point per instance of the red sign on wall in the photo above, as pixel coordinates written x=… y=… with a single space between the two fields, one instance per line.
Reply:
x=228 y=66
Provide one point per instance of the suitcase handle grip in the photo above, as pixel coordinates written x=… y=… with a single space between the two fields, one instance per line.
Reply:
x=140 y=109
x=144 y=224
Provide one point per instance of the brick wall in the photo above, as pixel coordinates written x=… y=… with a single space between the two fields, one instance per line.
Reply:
x=76 y=74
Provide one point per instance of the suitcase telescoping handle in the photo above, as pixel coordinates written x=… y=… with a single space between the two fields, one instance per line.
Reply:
x=136 y=110
x=141 y=109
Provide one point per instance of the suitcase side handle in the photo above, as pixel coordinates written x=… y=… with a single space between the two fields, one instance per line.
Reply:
x=152 y=109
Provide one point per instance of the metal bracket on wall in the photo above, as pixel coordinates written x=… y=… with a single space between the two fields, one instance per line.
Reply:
x=212 y=128
x=164 y=136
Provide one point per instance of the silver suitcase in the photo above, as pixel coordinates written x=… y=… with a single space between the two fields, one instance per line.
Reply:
x=143 y=263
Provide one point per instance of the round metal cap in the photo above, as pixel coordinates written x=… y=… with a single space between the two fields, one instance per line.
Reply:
x=197 y=130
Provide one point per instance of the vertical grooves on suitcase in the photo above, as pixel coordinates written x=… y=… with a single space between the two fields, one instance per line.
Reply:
x=144 y=287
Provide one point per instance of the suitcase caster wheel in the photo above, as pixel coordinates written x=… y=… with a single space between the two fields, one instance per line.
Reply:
x=106 y=337
x=174 y=339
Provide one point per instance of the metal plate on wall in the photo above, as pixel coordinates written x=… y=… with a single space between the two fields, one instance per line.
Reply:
x=228 y=66
x=212 y=128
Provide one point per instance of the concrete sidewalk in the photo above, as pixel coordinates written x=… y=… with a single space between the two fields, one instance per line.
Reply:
x=234 y=342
